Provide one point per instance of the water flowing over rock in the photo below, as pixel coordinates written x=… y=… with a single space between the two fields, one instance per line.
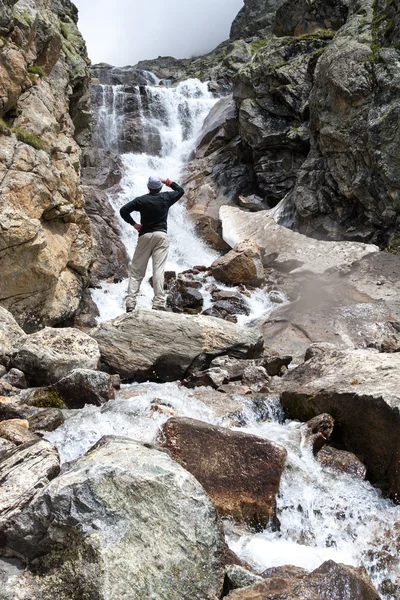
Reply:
x=168 y=346
x=240 y=472
x=45 y=245
x=359 y=387
x=50 y=354
x=164 y=534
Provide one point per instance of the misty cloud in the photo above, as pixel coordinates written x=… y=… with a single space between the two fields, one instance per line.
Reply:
x=124 y=32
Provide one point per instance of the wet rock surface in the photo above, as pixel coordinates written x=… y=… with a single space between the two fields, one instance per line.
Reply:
x=168 y=346
x=47 y=356
x=341 y=462
x=167 y=542
x=359 y=387
x=331 y=581
x=240 y=472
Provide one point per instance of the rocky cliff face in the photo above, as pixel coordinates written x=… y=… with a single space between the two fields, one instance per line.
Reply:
x=45 y=239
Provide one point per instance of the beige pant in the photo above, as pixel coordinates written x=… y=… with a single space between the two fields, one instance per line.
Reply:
x=154 y=245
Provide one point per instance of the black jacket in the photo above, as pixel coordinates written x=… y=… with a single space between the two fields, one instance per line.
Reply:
x=153 y=209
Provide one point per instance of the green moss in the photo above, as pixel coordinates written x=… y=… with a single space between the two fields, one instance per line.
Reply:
x=319 y=34
x=4 y=40
x=36 y=70
x=257 y=45
x=27 y=138
x=23 y=17
x=318 y=52
x=45 y=398
x=4 y=128
x=393 y=247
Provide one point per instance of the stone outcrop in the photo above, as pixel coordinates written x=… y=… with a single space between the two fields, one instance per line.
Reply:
x=45 y=243
x=50 y=354
x=331 y=581
x=169 y=346
x=84 y=386
x=240 y=266
x=166 y=540
x=24 y=473
x=359 y=387
x=255 y=18
x=240 y=472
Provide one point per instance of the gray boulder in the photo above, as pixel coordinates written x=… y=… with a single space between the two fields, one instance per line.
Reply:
x=24 y=473
x=168 y=346
x=124 y=521
x=50 y=354
x=16 y=378
x=219 y=127
x=11 y=336
x=83 y=386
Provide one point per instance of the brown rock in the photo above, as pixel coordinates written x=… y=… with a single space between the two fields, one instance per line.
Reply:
x=240 y=472
x=21 y=422
x=242 y=265
x=17 y=434
x=46 y=420
x=285 y=572
x=315 y=432
x=331 y=581
x=341 y=461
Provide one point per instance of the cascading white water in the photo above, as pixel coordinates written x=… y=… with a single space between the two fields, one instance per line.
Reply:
x=324 y=515
x=110 y=117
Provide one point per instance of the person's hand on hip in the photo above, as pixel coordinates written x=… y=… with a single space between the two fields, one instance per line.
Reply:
x=137 y=226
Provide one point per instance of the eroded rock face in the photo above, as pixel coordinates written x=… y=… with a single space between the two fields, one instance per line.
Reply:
x=45 y=243
x=166 y=540
x=352 y=110
x=240 y=472
x=359 y=387
x=331 y=581
x=25 y=472
x=169 y=346
x=50 y=354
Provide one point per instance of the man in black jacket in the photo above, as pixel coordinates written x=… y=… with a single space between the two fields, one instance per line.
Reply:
x=153 y=240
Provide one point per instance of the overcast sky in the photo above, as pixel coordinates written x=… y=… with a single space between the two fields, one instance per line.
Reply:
x=122 y=32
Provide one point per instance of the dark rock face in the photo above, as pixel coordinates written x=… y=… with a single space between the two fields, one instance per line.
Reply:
x=331 y=581
x=349 y=185
x=255 y=18
x=240 y=472
x=294 y=17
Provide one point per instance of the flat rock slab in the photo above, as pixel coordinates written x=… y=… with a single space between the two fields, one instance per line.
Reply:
x=331 y=581
x=123 y=521
x=240 y=472
x=361 y=389
x=286 y=250
x=24 y=472
x=150 y=344
x=50 y=354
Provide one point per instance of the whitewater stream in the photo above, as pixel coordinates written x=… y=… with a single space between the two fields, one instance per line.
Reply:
x=323 y=515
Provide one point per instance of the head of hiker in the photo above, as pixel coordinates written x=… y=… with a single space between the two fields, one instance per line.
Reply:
x=154 y=184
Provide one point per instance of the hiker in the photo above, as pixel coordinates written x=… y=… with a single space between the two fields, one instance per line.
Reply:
x=153 y=240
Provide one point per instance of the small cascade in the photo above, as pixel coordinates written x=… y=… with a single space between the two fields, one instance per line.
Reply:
x=109 y=118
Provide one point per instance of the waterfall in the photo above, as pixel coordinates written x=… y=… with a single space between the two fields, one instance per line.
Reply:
x=107 y=131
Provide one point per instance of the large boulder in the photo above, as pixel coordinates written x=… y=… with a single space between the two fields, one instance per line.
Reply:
x=219 y=127
x=11 y=336
x=24 y=473
x=50 y=354
x=331 y=581
x=240 y=472
x=84 y=386
x=361 y=389
x=242 y=265
x=123 y=521
x=167 y=346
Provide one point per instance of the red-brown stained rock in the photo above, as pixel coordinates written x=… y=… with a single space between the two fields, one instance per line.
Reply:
x=240 y=472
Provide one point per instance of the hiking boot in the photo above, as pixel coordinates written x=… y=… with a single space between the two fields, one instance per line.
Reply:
x=163 y=308
x=130 y=309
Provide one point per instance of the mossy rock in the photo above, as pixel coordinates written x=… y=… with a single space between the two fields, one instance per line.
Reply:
x=43 y=398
